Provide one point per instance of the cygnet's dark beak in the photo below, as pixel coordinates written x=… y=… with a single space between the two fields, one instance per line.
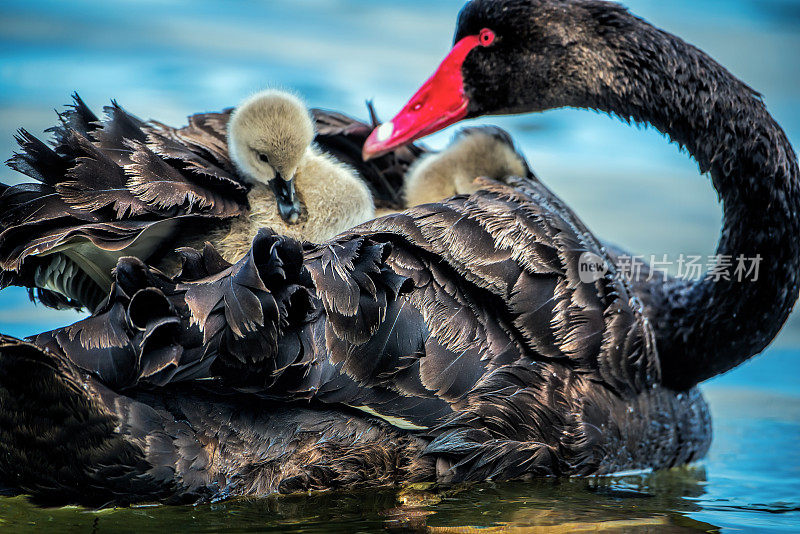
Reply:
x=288 y=205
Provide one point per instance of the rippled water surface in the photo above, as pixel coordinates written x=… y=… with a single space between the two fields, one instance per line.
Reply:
x=167 y=59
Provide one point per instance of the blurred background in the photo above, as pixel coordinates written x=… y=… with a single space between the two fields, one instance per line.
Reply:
x=167 y=59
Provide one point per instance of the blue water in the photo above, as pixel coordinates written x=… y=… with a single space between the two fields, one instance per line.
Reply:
x=168 y=59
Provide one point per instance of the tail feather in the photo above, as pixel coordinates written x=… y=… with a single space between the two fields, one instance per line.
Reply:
x=76 y=117
x=37 y=160
x=117 y=131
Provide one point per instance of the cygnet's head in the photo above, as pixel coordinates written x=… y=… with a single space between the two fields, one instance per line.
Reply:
x=484 y=151
x=268 y=134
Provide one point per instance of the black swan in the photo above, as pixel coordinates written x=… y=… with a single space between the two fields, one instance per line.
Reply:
x=450 y=342
x=123 y=187
x=514 y=56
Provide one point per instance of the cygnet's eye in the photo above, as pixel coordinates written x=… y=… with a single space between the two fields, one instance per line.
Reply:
x=264 y=158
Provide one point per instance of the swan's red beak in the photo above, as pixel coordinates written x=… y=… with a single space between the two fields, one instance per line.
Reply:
x=440 y=102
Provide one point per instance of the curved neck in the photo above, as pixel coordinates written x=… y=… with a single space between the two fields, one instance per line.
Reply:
x=704 y=328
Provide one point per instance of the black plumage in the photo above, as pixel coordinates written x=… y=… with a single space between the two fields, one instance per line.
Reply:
x=449 y=342
x=395 y=321
x=66 y=437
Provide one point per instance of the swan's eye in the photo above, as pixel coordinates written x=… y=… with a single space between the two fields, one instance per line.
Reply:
x=486 y=37
x=264 y=158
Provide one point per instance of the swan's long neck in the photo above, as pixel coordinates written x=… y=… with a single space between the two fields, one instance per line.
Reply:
x=707 y=327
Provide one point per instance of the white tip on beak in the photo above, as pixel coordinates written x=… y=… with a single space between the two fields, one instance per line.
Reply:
x=385 y=131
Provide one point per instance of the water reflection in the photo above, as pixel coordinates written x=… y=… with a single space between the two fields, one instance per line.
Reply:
x=656 y=502
x=652 y=502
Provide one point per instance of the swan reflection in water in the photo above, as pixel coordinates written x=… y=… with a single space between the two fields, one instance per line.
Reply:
x=632 y=503
x=660 y=501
